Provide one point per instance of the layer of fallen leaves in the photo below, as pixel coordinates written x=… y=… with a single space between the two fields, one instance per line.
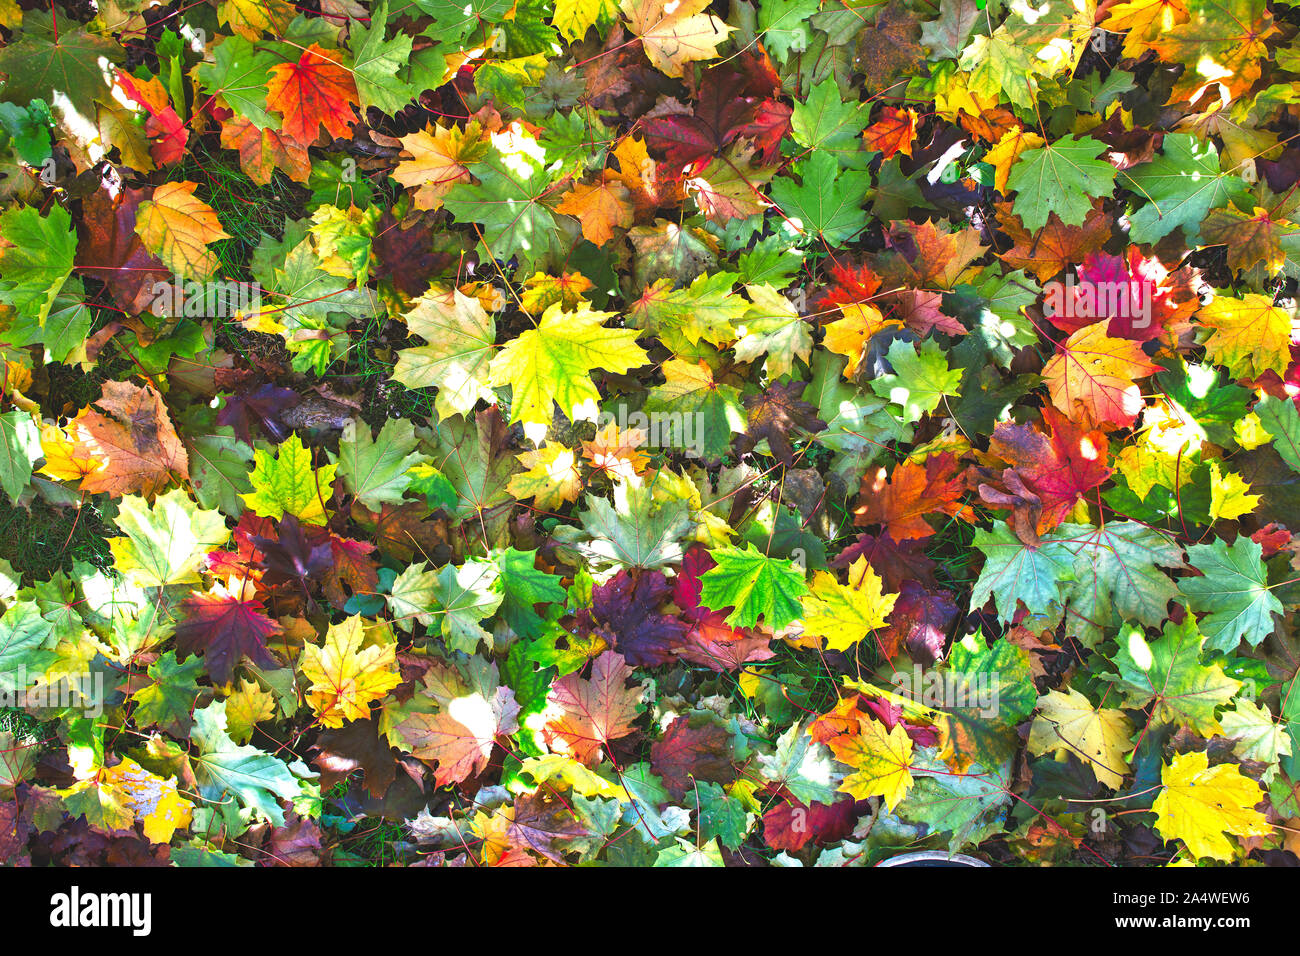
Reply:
x=756 y=433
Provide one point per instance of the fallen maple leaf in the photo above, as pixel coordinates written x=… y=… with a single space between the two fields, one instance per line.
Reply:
x=1093 y=378
x=135 y=439
x=583 y=716
x=315 y=91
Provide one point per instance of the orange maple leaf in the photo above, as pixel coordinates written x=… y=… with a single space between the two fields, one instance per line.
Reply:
x=1092 y=378
x=314 y=92
x=135 y=438
x=1048 y=251
x=599 y=207
x=914 y=490
x=583 y=715
x=893 y=133
x=262 y=151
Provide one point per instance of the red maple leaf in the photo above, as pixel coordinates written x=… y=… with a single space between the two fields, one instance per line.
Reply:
x=224 y=628
x=1057 y=467
x=687 y=754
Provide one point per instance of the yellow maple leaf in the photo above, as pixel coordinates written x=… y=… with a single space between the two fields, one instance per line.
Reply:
x=849 y=336
x=675 y=32
x=67 y=458
x=252 y=18
x=553 y=363
x=573 y=18
x=1228 y=498
x=347 y=677
x=246 y=705
x=1199 y=804
x=1250 y=432
x=156 y=802
x=1249 y=335
x=439 y=160
x=881 y=761
x=845 y=614
x=1006 y=151
x=541 y=291
x=1144 y=20
x=177 y=227
x=552 y=477
x=1068 y=724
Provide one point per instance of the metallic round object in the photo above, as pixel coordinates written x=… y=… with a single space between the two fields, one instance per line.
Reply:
x=932 y=858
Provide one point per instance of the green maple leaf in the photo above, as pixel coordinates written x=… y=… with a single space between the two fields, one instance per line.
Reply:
x=286 y=483
x=452 y=601
x=1170 y=673
x=721 y=815
x=1118 y=576
x=376 y=470
x=995 y=689
x=785 y=25
x=773 y=327
x=20 y=446
x=28 y=129
x=635 y=532
x=920 y=381
x=1013 y=572
x=753 y=585
x=462 y=340
x=707 y=309
x=37 y=260
x=1002 y=667
x=826 y=123
x=63 y=69
x=507 y=81
x=224 y=769
x=1281 y=420
x=970 y=806
x=470 y=455
x=23 y=635
x=1179 y=187
x=507 y=202
x=857 y=425
x=946 y=36
x=167 y=702
x=376 y=63
x=828 y=202
x=1059 y=178
x=219 y=467
x=1233 y=595
x=524 y=586
x=65 y=329
x=802 y=766
x=690 y=390
x=304 y=298
x=1000 y=64
x=465 y=596
x=456 y=18
x=237 y=75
